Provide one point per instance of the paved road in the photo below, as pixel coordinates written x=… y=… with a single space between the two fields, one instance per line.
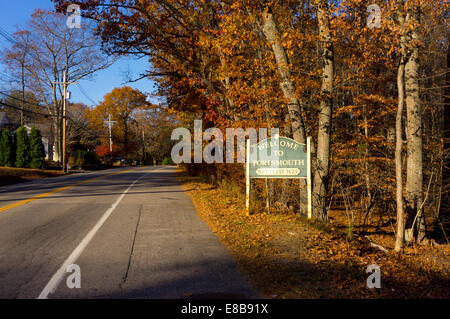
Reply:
x=134 y=233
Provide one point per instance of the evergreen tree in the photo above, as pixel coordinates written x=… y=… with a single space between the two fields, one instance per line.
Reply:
x=37 y=151
x=22 y=147
x=6 y=148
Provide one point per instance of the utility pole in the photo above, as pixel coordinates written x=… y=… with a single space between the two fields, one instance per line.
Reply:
x=143 y=145
x=22 y=65
x=64 y=124
x=22 y=107
x=110 y=124
x=142 y=141
x=65 y=84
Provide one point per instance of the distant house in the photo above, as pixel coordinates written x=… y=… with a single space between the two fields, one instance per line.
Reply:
x=47 y=137
x=4 y=121
x=45 y=129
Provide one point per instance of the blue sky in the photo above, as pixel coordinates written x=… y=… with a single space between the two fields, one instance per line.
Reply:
x=17 y=12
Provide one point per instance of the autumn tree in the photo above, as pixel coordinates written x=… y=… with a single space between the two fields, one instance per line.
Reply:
x=320 y=185
x=49 y=48
x=400 y=236
x=79 y=133
x=24 y=107
x=121 y=104
x=414 y=169
x=301 y=66
x=158 y=129
x=16 y=59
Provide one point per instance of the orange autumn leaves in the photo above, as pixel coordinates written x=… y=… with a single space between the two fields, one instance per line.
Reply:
x=121 y=105
x=211 y=60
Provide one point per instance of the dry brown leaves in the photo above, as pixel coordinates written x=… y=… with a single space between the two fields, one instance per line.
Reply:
x=286 y=256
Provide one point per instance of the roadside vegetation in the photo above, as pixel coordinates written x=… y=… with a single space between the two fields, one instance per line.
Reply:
x=21 y=149
x=371 y=92
x=373 y=99
x=13 y=175
x=288 y=256
x=22 y=156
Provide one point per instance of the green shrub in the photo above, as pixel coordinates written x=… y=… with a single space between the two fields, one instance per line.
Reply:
x=6 y=148
x=91 y=158
x=167 y=161
x=22 y=142
x=37 y=151
x=83 y=157
x=79 y=157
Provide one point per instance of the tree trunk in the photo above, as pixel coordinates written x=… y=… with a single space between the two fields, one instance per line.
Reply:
x=320 y=181
x=143 y=146
x=270 y=30
x=414 y=175
x=400 y=236
x=22 y=106
x=444 y=208
x=56 y=139
x=272 y=34
x=125 y=139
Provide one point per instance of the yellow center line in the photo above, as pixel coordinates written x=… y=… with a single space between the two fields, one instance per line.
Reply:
x=25 y=201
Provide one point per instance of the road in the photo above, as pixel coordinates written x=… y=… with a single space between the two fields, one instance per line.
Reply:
x=133 y=232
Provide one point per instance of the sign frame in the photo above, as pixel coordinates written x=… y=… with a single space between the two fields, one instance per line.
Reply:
x=308 y=175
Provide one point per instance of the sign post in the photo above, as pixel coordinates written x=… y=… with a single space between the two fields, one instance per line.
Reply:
x=278 y=157
x=308 y=176
x=247 y=178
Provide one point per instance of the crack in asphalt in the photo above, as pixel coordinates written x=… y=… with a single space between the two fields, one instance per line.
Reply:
x=132 y=248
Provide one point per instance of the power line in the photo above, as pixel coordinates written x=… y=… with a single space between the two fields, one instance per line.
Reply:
x=10 y=78
x=33 y=112
x=25 y=110
x=83 y=91
x=7 y=36
x=16 y=98
x=6 y=39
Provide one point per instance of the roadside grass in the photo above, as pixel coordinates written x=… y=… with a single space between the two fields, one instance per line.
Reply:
x=287 y=256
x=13 y=175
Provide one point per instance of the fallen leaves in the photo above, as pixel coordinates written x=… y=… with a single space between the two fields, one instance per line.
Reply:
x=286 y=256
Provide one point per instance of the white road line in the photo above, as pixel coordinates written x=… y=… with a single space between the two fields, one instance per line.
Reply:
x=59 y=275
